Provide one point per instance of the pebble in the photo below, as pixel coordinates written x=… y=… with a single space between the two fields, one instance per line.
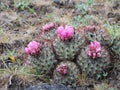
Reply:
x=46 y=86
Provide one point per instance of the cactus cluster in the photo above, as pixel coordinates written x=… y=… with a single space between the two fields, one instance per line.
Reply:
x=65 y=51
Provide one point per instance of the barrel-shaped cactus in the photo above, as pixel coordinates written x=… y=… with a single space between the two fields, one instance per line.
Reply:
x=49 y=32
x=95 y=62
x=97 y=33
x=115 y=48
x=66 y=73
x=66 y=45
x=45 y=61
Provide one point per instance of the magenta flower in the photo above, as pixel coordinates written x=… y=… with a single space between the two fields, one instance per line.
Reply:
x=65 y=33
x=63 y=69
x=33 y=48
x=47 y=27
x=94 y=49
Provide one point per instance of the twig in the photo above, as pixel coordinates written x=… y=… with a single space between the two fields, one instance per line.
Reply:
x=5 y=65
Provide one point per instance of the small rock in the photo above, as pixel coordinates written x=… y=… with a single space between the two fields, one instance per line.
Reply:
x=112 y=20
x=59 y=87
x=118 y=23
x=117 y=16
x=110 y=15
x=66 y=3
x=46 y=86
x=39 y=87
x=116 y=5
x=59 y=2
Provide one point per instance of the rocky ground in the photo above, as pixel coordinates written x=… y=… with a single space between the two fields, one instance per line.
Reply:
x=18 y=27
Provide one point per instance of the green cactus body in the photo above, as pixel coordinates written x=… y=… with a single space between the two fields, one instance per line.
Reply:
x=70 y=78
x=49 y=35
x=116 y=47
x=93 y=66
x=44 y=62
x=96 y=33
x=66 y=50
x=104 y=86
x=73 y=53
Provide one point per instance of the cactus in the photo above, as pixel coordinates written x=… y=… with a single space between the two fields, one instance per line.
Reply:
x=96 y=33
x=104 y=86
x=67 y=49
x=115 y=48
x=92 y=65
x=64 y=51
x=49 y=32
x=44 y=62
x=66 y=73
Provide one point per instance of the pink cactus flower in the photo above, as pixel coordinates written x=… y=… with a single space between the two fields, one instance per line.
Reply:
x=51 y=25
x=65 y=33
x=94 y=49
x=47 y=27
x=63 y=69
x=33 y=48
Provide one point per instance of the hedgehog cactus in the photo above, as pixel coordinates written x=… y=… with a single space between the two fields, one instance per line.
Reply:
x=48 y=32
x=65 y=50
x=95 y=62
x=96 y=33
x=66 y=73
x=116 y=48
x=68 y=43
x=44 y=62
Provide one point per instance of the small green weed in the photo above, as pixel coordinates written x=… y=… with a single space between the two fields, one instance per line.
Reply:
x=113 y=29
x=1 y=31
x=82 y=79
x=101 y=75
x=82 y=21
x=23 y=4
x=2 y=6
x=83 y=7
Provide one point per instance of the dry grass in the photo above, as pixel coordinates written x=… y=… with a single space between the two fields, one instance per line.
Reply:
x=42 y=2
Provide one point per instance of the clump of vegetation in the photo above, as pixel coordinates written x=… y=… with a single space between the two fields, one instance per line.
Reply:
x=64 y=53
x=24 y=4
x=66 y=50
x=83 y=7
x=12 y=71
x=83 y=20
x=2 y=6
